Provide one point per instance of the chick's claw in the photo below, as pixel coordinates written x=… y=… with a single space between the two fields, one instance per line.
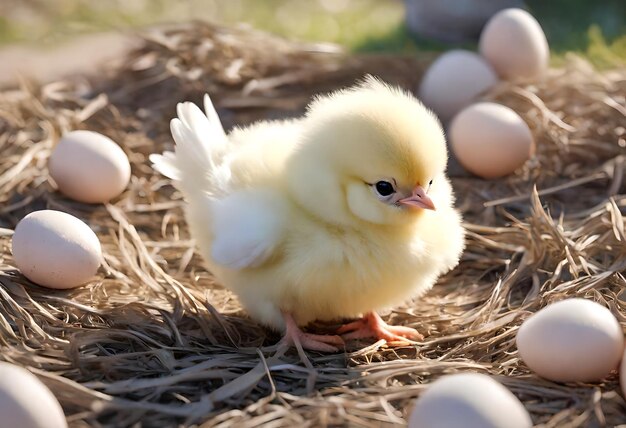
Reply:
x=310 y=341
x=321 y=342
x=372 y=325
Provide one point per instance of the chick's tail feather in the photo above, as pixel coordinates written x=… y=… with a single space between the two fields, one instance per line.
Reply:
x=200 y=145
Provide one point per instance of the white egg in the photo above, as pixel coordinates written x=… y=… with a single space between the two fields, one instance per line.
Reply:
x=515 y=45
x=454 y=81
x=622 y=374
x=25 y=402
x=89 y=167
x=490 y=140
x=55 y=249
x=571 y=340
x=468 y=400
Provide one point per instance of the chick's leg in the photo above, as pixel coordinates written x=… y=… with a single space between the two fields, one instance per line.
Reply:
x=372 y=325
x=314 y=342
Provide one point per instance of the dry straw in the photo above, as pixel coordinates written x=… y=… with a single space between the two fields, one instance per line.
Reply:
x=153 y=341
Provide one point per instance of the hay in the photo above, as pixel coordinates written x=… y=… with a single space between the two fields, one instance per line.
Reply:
x=153 y=341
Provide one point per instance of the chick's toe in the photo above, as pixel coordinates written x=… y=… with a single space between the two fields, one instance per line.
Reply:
x=313 y=342
x=372 y=325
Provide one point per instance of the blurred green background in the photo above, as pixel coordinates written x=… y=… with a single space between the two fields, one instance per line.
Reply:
x=595 y=29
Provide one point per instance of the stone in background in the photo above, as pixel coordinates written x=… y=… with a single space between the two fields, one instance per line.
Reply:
x=452 y=20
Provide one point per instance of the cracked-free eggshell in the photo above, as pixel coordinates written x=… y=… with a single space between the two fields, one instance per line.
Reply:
x=515 y=45
x=56 y=250
x=573 y=340
x=490 y=140
x=454 y=81
x=25 y=402
x=468 y=400
x=89 y=167
x=622 y=374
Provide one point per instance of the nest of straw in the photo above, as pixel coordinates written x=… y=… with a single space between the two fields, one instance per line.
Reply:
x=154 y=341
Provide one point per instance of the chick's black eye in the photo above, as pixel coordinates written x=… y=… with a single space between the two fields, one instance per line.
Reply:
x=384 y=188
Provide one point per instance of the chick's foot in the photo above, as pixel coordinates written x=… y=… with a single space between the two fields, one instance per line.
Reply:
x=372 y=325
x=314 y=342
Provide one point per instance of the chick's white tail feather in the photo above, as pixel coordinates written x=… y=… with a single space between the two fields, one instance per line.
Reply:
x=246 y=227
x=200 y=145
x=166 y=164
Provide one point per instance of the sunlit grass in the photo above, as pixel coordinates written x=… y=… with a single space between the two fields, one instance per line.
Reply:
x=599 y=51
x=347 y=22
x=596 y=30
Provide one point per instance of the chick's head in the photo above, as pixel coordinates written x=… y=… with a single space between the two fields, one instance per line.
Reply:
x=370 y=153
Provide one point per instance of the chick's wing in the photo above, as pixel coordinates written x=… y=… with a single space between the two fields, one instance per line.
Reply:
x=247 y=228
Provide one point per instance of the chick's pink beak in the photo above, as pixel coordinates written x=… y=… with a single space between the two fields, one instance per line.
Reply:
x=419 y=199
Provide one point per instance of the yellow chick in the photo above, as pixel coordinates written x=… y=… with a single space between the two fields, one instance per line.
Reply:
x=340 y=213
